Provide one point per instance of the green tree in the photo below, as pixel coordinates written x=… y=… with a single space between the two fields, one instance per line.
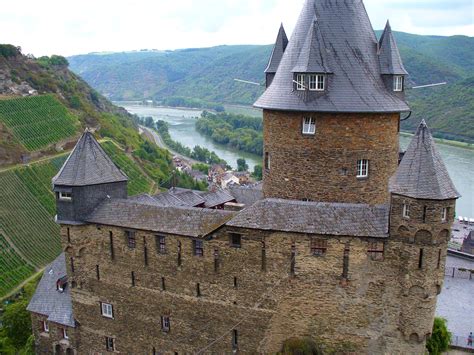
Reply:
x=204 y=168
x=242 y=165
x=17 y=323
x=440 y=339
x=257 y=172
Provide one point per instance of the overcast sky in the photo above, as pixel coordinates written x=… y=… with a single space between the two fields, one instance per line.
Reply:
x=70 y=27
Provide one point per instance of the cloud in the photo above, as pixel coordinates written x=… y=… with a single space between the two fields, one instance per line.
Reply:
x=73 y=27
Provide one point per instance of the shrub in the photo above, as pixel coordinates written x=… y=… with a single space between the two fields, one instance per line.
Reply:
x=440 y=339
x=298 y=346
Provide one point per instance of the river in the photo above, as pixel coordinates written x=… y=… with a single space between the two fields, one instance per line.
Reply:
x=459 y=161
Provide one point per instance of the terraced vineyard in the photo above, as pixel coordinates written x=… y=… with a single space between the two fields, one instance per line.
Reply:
x=138 y=182
x=38 y=121
x=13 y=269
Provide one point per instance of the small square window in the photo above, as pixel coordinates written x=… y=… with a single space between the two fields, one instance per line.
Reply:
x=375 y=251
x=362 y=168
x=198 y=247
x=161 y=244
x=317 y=82
x=398 y=82
x=110 y=344
x=165 y=324
x=65 y=196
x=309 y=125
x=131 y=240
x=406 y=210
x=318 y=246
x=235 y=240
x=107 y=310
x=300 y=82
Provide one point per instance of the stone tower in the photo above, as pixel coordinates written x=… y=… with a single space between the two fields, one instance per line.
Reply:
x=422 y=212
x=332 y=111
x=87 y=178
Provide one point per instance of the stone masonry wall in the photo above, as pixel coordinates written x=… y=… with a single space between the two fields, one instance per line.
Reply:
x=323 y=167
x=52 y=341
x=264 y=302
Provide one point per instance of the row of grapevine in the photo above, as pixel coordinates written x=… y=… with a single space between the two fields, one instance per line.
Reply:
x=38 y=121
x=13 y=269
x=138 y=182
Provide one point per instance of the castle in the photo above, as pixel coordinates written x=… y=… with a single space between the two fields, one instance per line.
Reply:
x=346 y=247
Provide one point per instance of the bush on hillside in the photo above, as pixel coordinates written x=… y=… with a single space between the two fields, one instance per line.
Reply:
x=9 y=51
x=440 y=339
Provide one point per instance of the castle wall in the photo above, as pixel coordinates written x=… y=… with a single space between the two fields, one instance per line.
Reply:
x=267 y=305
x=323 y=167
x=47 y=342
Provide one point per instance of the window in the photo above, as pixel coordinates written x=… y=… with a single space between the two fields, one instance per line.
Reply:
x=111 y=245
x=438 y=266
x=161 y=244
x=235 y=339
x=406 y=210
x=318 y=246
x=235 y=282
x=131 y=240
x=65 y=196
x=235 y=240
x=97 y=272
x=398 y=83
x=133 y=278
x=198 y=247
x=267 y=161
x=300 y=84
x=65 y=336
x=362 y=168
x=317 y=82
x=45 y=326
x=165 y=324
x=163 y=284
x=309 y=125
x=444 y=214
x=425 y=211
x=375 y=251
x=198 y=290
x=420 y=259
x=110 y=344
x=107 y=310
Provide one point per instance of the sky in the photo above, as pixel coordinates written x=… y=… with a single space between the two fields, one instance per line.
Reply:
x=69 y=27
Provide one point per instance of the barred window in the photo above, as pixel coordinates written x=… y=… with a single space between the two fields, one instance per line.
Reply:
x=318 y=246
x=376 y=250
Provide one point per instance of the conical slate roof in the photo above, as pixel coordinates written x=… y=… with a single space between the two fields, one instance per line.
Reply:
x=312 y=58
x=390 y=60
x=278 y=50
x=422 y=173
x=350 y=46
x=88 y=164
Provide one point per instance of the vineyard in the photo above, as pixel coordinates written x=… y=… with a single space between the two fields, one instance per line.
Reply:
x=138 y=182
x=38 y=121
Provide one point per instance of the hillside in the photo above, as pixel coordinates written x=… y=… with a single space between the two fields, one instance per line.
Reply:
x=208 y=74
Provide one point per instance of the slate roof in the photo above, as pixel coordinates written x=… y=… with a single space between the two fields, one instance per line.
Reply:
x=88 y=164
x=247 y=195
x=350 y=46
x=422 y=173
x=184 y=221
x=277 y=53
x=188 y=197
x=48 y=301
x=335 y=219
x=389 y=55
x=216 y=198
x=168 y=199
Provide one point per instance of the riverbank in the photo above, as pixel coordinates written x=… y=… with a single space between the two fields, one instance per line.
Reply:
x=444 y=141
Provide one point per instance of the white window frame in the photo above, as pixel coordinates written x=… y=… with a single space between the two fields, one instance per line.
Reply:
x=317 y=82
x=107 y=310
x=406 y=210
x=398 y=83
x=45 y=326
x=362 y=168
x=110 y=348
x=309 y=125
x=300 y=82
x=444 y=214
x=65 y=196
x=65 y=336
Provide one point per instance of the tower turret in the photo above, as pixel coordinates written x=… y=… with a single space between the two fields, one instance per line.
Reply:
x=422 y=212
x=277 y=53
x=87 y=177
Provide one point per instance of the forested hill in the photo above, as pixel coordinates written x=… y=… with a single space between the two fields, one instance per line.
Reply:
x=207 y=75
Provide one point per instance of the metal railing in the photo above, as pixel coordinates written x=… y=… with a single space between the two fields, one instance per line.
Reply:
x=461 y=342
x=459 y=273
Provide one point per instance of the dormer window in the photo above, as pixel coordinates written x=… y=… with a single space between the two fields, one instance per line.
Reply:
x=65 y=196
x=398 y=82
x=317 y=82
x=300 y=82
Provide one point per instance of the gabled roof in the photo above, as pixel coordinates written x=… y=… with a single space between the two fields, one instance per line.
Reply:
x=278 y=50
x=422 y=173
x=216 y=198
x=184 y=221
x=48 y=301
x=334 y=219
x=88 y=164
x=350 y=46
x=312 y=58
x=389 y=55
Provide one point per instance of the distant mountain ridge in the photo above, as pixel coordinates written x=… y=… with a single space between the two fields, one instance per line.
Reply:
x=208 y=74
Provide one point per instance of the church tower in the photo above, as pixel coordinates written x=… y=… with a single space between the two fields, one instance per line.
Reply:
x=332 y=111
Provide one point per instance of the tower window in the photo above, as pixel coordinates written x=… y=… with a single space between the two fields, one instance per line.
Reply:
x=235 y=240
x=317 y=82
x=300 y=84
x=65 y=196
x=267 y=161
x=406 y=210
x=420 y=259
x=165 y=324
x=398 y=83
x=198 y=247
x=318 y=246
x=362 y=168
x=309 y=125
x=110 y=344
x=444 y=214
x=107 y=310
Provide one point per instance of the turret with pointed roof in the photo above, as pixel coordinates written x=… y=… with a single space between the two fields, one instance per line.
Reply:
x=277 y=53
x=389 y=55
x=86 y=178
x=422 y=173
